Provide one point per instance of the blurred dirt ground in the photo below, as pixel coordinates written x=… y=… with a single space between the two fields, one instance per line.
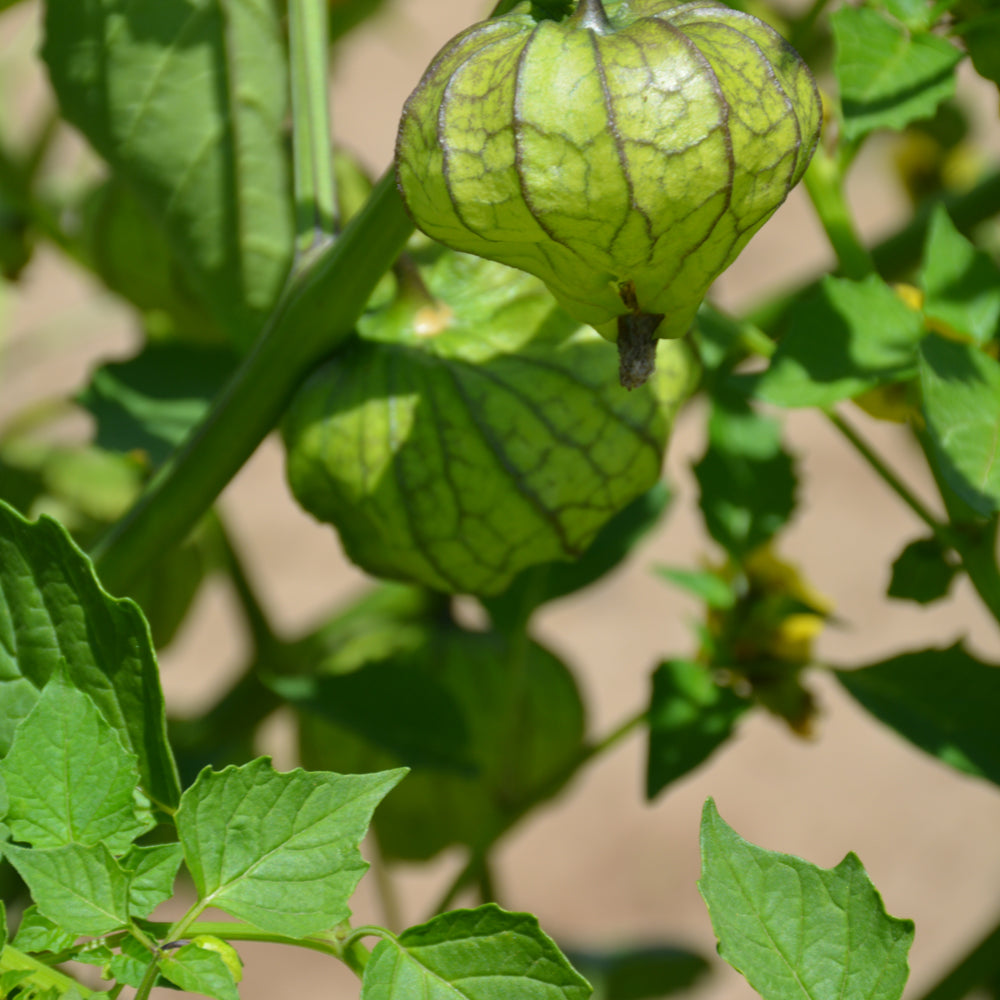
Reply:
x=600 y=867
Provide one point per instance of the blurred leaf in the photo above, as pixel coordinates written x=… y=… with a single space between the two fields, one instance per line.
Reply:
x=186 y=99
x=480 y=954
x=547 y=582
x=943 y=700
x=690 y=716
x=69 y=778
x=640 y=973
x=58 y=612
x=524 y=735
x=915 y=14
x=345 y=15
x=746 y=477
x=704 y=584
x=847 y=338
x=961 y=284
x=888 y=76
x=979 y=27
x=395 y=708
x=279 y=850
x=922 y=572
x=152 y=401
x=961 y=405
x=128 y=247
x=796 y=930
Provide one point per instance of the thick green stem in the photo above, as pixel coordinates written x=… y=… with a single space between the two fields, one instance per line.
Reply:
x=315 y=183
x=824 y=181
x=315 y=315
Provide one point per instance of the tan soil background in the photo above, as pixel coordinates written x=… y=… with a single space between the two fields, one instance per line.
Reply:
x=600 y=867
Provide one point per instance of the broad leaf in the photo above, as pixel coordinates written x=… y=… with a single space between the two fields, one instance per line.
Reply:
x=922 y=572
x=152 y=401
x=186 y=99
x=549 y=581
x=979 y=25
x=690 y=716
x=849 y=337
x=961 y=405
x=83 y=890
x=746 y=477
x=476 y=954
x=643 y=973
x=798 y=932
x=37 y=933
x=69 y=778
x=198 y=970
x=943 y=700
x=53 y=610
x=153 y=872
x=279 y=850
x=961 y=284
x=888 y=76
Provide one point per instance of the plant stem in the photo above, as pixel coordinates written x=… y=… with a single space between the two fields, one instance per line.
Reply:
x=315 y=183
x=314 y=316
x=146 y=986
x=824 y=181
x=977 y=968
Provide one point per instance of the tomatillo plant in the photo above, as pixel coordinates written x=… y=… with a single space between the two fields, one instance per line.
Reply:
x=463 y=429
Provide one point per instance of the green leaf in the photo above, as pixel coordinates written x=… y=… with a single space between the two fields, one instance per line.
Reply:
x=961 y=405
x=847 y=338
x=69 y=778
x=129 y=966
x=888 y=76
x=83 y=890
x=199 y=970
x=525 y=739
x=942 y=700
x=346 y=15
x=690 y=716
x=915 y=14
x=153 y=873
x=186 y=99
x=922 y=572
x=53 y=610
x=708 y=586
x=152 y=401
x=279 y=850
x=979 y=27
x=479 y=954
x=643 y=973
x=37 y=933
x=961 y=284
x=796 y=931
x=747 y=479
x=547 y=582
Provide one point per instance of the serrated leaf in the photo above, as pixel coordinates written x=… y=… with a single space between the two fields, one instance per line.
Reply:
x=81 y=889
x=279 y=850
x=186 y=100
x=922 y=572
x=690 y=716
x=747 y=480
x=151 y=402
x=796 y=931
x=37 y=933
x=153 y=873
x=69 y=778
x=888 y=76
x=129 y=966
x=199 y=970
x=647 y=972
x=961 y=284
x=847 y=338
x=943 y=700
x=961 y=406
x=549 y=581
x=476 y=954
x=52 y=610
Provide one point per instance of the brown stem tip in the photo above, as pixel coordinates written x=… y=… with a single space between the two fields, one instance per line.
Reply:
x=637 y=348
